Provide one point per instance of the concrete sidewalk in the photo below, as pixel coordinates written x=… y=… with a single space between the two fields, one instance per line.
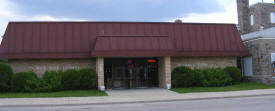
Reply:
x=130 y=96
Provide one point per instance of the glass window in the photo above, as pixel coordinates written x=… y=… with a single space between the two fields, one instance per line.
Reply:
x=272 y=57
x=272 y=17
x=248 y=66
x=273 y=63
x=251 y=20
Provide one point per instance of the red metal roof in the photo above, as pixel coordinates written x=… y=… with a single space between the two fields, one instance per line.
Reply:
x=134 y=45
x=23 y=40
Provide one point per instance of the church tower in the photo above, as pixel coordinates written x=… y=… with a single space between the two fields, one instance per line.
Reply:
x=256 y=17
x=243 y=16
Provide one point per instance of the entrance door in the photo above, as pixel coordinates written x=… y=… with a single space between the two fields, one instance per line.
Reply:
x=131 y=73
x=140 y=74
x=120 y=75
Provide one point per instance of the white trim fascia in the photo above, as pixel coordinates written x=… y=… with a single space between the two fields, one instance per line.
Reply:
x=258 y=38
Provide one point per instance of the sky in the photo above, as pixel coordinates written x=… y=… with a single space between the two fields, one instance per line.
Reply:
x=202 y=11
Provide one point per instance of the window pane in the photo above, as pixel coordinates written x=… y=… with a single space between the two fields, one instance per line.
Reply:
x=248 y=66
x=272 y=17
x=252 y=20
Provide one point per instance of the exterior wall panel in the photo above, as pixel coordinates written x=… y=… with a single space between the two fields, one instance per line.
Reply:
x=261 y=58
x=40 y=66
x=203 y=62
x=164 y=70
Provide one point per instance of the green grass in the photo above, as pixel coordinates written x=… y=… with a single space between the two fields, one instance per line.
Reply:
x=75 y=93
x=237 y=87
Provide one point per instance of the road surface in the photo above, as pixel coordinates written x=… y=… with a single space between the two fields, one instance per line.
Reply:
x=259 y=103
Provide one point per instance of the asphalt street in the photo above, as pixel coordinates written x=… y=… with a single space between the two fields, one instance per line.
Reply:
x=259 y=103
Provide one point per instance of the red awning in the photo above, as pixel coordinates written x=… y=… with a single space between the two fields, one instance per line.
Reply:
x=134 y=46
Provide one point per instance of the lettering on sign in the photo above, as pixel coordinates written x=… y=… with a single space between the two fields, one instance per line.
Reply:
x=40 y=68
x=44 y=68
x=54 y=68
x=70 y=67
x=195 y=65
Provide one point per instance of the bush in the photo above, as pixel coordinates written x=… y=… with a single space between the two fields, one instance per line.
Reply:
x=234 y=73
x=87 y=78
x=183 y=77
x=215 y=77
x=24 y=81
x=51 y=81
x=79 y=79
x=5 y=76
x=198 y=77
x=70 y=79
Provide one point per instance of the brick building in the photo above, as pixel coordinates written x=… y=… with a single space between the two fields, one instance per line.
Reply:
x=124 y=54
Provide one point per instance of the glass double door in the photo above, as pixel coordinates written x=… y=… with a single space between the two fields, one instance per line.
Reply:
x=130 y=73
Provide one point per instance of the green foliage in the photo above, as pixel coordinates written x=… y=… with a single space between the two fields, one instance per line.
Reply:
x=70 y=79
x=70 y=93
x=235 y=87
x=4 y=61
x=5 y=76
x=183 y=77
x=215 y=77
x=87 y=78
x=198 y=77
x=234 y=73
x=51 y=81
x=79 y=79
x=24 y=81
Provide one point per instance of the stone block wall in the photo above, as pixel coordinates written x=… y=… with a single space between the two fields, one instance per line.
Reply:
x=243 y=16
x=42 y=65
x=203 y=62
x=166 y=65
x=261 y=16
x=100 y=73
x=261 y=59
x=164 y=69
x=261 y=13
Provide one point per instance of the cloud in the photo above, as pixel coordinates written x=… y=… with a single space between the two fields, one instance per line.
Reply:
x=117 y=10
x=50 y=18
x=251 y=2
x=8 y=12
x=227 y=16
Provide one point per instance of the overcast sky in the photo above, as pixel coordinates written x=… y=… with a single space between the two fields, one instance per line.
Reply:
x=214 y=11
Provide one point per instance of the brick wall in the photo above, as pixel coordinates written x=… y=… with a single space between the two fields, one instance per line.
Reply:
x=164 y=67
x=203 y=62
x=100 y=73
x=42 y=65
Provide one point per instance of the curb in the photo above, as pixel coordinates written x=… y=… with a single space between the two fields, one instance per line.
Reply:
x=135 y=102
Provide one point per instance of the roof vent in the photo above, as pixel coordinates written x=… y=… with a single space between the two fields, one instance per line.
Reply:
x=178 y=21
